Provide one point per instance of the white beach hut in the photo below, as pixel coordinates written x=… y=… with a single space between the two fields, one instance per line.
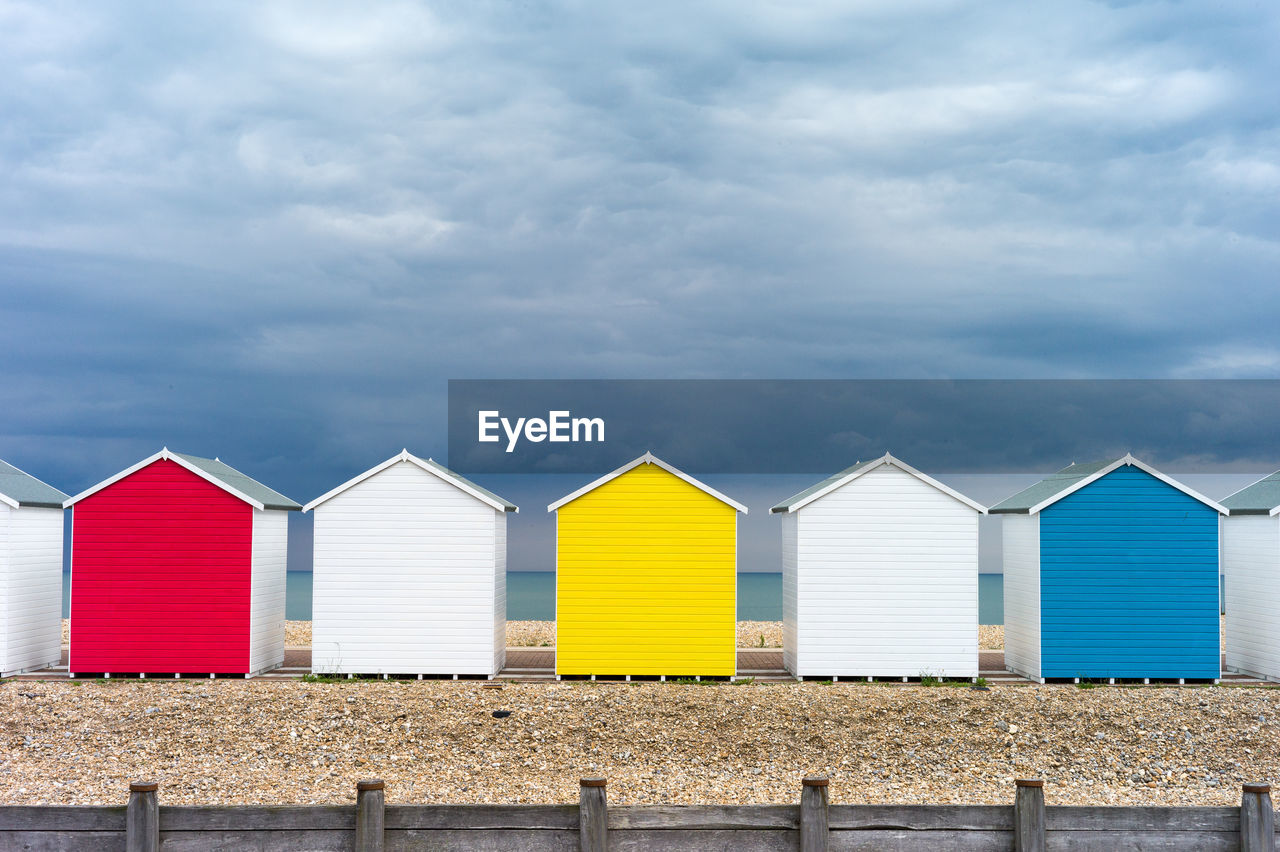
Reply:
x=409 y=573
x=880 y=575
x=30 y=572
x=1251 y=569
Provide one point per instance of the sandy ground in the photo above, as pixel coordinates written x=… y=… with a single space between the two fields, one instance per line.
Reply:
x=297 y=742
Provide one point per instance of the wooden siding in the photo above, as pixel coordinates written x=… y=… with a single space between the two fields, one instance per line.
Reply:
x=1129 y=581
x=499 y=592
x=1021 y=544
x=1251 y=563
x=5 y=514
x=888 y=580
x=405 y=569
x=646 y=580
x=31 y=573
x=790 y=589
x=270 y=557
x=161 y=576
x=815 y=825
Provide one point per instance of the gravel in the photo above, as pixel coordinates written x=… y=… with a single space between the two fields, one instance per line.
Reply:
x=292 y=742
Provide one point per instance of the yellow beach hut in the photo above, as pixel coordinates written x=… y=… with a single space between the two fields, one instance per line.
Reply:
x=646 y=575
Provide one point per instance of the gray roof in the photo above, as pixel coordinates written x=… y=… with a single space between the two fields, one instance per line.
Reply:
x=785 y=505
x=507 y=505
x=233 y=478
x=1258 y=499
x=26 y=490
x=1048 y=488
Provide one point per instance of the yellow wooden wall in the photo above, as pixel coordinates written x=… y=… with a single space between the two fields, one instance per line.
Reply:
x=646 y=579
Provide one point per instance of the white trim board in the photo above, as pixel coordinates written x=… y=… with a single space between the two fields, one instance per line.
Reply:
x=647 y=458
x=428 y=465
x=886 y=459
x=165 y=455
x=1133 y=462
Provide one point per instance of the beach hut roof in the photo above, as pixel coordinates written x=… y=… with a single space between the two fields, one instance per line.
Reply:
x=1072 y=478
x=215 y=471
x=432 y=467
x=19 y=488
x=647 y=458
x=844 y=477
x=1260 y=498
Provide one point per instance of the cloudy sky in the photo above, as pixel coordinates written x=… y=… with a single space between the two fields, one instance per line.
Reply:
x=273 y=233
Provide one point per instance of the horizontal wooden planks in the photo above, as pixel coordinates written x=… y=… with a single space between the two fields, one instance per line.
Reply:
x=646 y=579
x=887 y=580
x=551 y=828
x=160 y=577
x=1129 y=581
x=405 y=571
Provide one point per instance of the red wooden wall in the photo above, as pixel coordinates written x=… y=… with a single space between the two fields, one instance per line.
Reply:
x=160 y=576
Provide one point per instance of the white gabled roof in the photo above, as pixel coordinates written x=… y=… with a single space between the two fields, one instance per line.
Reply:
x=431 y=467
x=213 y=471
x=647 y=458
x=1104 y=470
x=826 y=486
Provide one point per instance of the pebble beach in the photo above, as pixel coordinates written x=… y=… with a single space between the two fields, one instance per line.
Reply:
x=294 y=742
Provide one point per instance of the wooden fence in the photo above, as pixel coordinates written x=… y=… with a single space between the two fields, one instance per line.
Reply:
x=592 y=826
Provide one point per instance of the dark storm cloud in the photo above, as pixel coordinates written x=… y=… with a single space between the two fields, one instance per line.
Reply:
x=273 y=232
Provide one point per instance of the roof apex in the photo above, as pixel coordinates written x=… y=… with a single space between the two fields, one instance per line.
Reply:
x=647 y=458
x=839 y=480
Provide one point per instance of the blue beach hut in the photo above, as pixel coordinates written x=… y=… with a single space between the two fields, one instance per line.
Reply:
x=1111 y=571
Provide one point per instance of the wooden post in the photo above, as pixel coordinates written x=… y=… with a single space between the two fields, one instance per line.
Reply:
x=593 y=815
x=814 y=800
x=1028 y=816
x=1257 y=820
x=370 y=815
x=142 y=818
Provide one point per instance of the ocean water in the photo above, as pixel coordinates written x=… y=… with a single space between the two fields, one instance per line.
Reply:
x=531 y=596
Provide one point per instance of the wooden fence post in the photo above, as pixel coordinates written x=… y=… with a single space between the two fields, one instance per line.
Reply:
x=814 y=799
x=142 y=818
x=370 y=815
x=1257 y=820
x=593 y=815
x=1028 y=816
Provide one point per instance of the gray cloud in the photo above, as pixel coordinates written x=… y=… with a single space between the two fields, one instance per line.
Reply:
x=276 y=232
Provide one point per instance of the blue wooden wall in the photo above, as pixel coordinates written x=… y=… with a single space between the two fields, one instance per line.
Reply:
x=1129 y=581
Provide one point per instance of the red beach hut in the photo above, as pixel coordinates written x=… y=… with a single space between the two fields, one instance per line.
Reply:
x=178 y=567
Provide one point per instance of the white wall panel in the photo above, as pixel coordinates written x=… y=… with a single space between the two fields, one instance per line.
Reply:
x=500 y=592
x=270 y=564
x=405 y=582
x=1251 y=566
x=887 y=580
x=790 y=632
x=1021 y=540
x=5 y=514
x=31 y=571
